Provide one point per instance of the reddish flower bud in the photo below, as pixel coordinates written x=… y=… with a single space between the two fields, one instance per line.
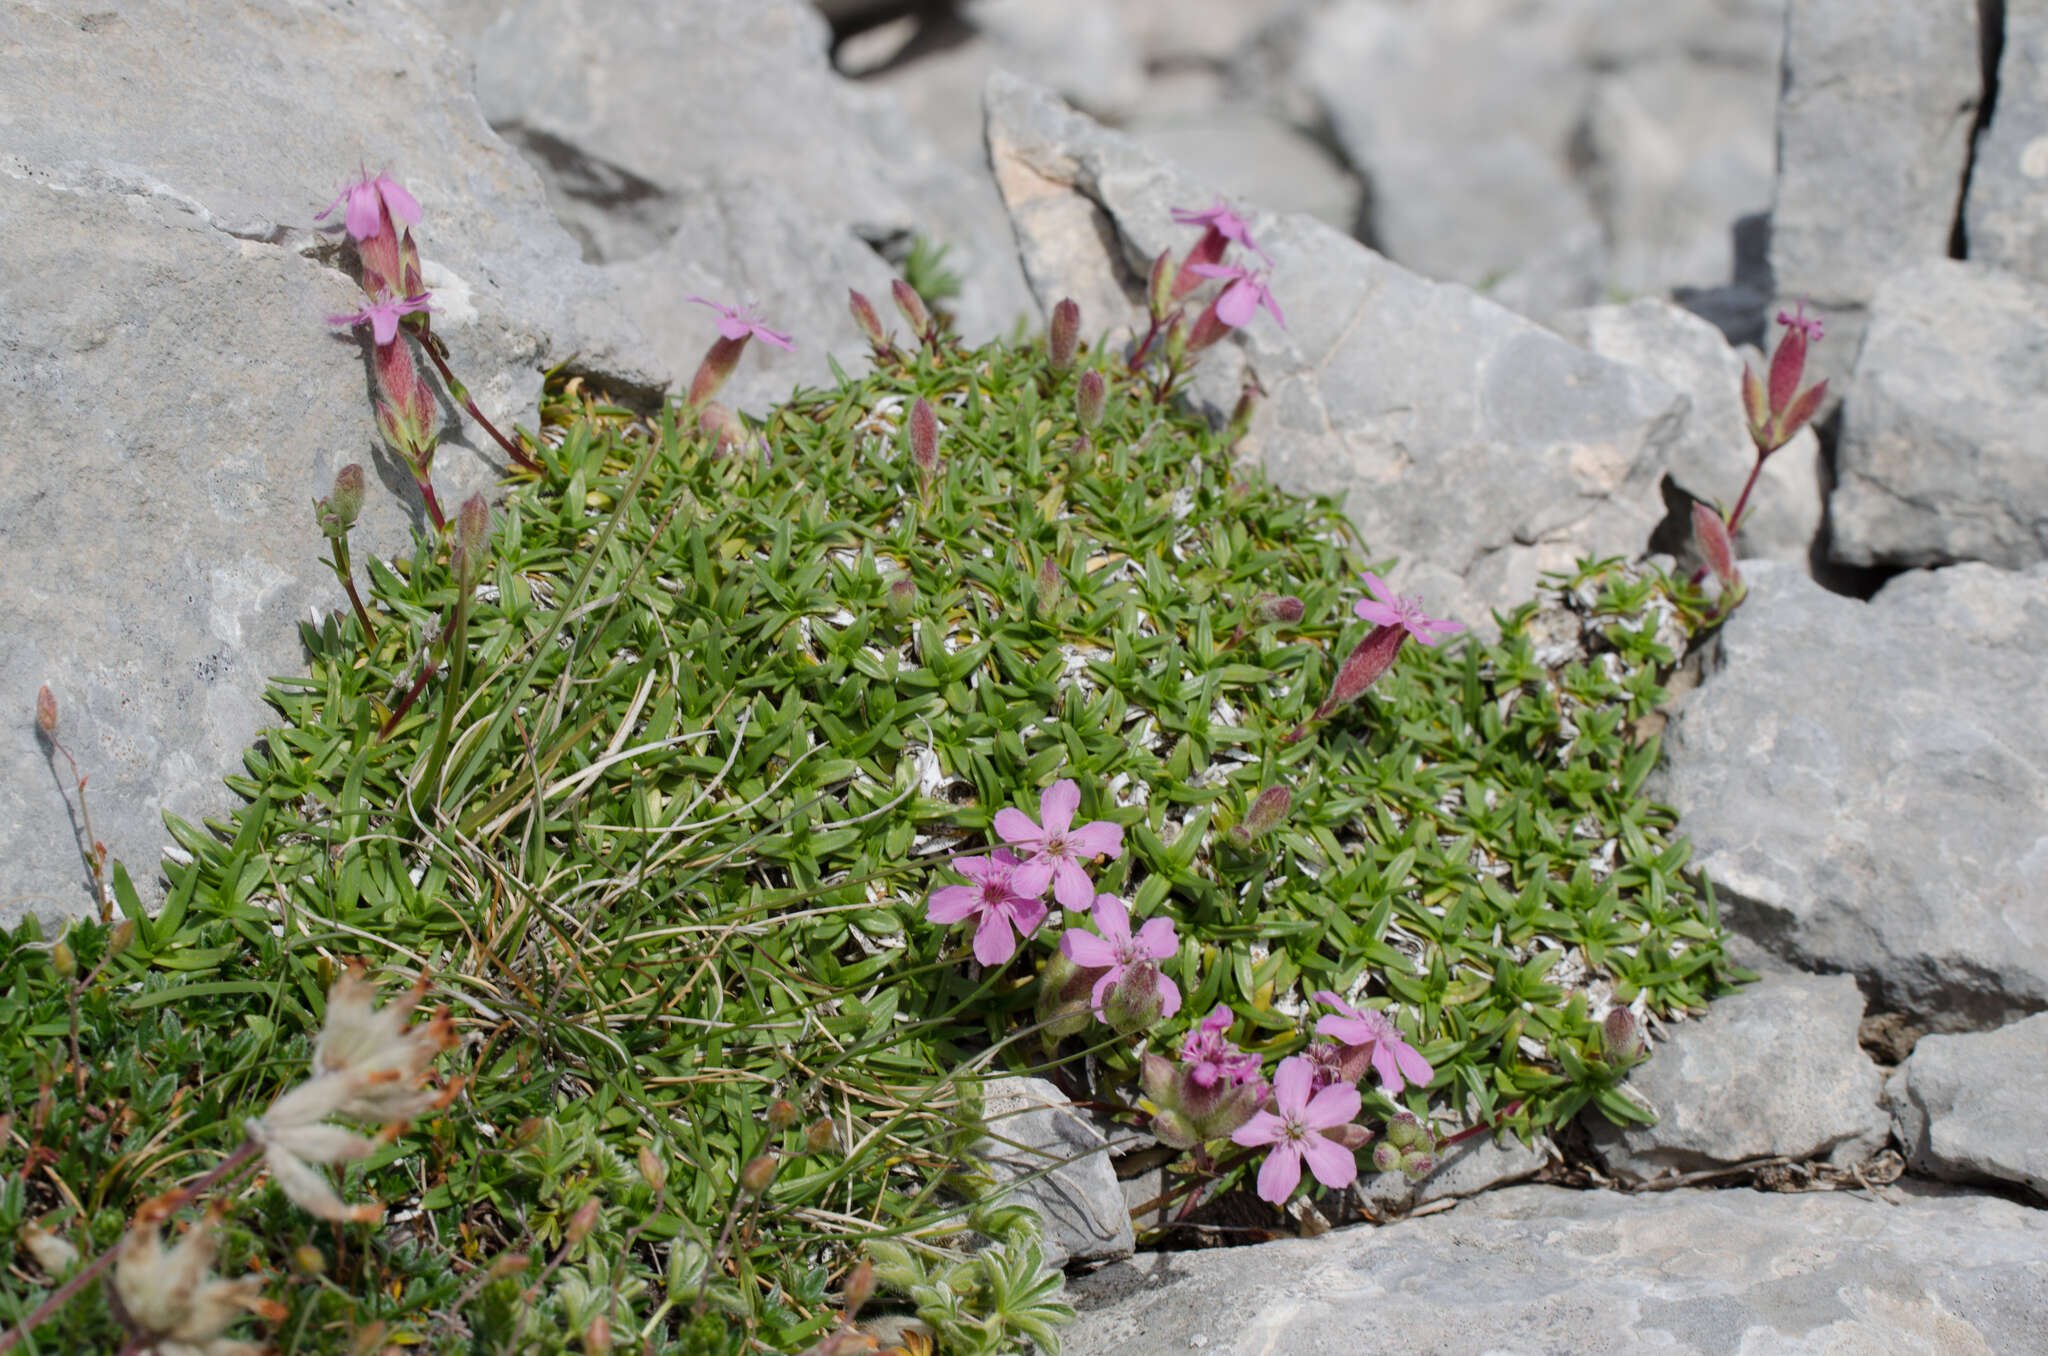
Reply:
x=859 y=1287
x=923 y=427
x=912 y=306
x=1063 y=337
x=820 y=1135
x=781 y=1114
x=1362 y=667
x=1063 y=994
x=583 y=1221
x=865 y=319
x=902 y=598
x=46 y=710
x=1712 y=532
x=1091 y=394
x=723 y=427
x=1620 y=1038
x=406 y=414
x=1385 y=1157
x=758 y=1174
x=1050 y=586
x=412 y=278
x=1265 y=813
x=1282 y=608
x=1137 y=1000
x=472 y=541
x=720 y=361
x=652 y=1170
x=597 y=1338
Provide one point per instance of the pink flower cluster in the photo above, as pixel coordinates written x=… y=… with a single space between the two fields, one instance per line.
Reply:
x=1006 y=897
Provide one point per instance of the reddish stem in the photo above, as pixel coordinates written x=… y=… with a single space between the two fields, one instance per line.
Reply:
x=461 y=393
x=426 y=485
x=405 y=703
x=1735 y=518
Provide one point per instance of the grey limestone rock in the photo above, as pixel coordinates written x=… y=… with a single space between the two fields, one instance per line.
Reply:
x=1771 y=1071
x=1865 y=785
x=1060 y=1164
x=1541 y=1269
x=1944 y=448
x=2006 y=218
x=1880 y=99
x=1712 y=458
x=1970 y=1107
x=177 y=396
x=1478 y=447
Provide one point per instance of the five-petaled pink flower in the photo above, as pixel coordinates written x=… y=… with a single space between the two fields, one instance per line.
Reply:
x=1374 y=1034
x=1056 y=849
x=1209 y=1057
x=382 y=316
x=1243 y=297
x=1386 y=608
x=1224 y=222
x=1809 y=324
x=1118 y=950
x=740 y=322
x=1295 y=1129
x=993 y=897
x=363 y=217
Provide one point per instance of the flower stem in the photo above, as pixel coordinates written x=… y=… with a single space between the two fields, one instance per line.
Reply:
x=426 y=485
x=1741 y=504
x=348 y=582
x=412 y=695
x=433 y=347
x=451 y=691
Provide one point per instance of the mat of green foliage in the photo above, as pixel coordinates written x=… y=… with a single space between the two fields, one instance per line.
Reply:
x=705 y=779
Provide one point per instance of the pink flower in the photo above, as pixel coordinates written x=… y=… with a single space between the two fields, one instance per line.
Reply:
x=1119 y=951
x=992 y=897
x=1372 y=1035
x=1243 y=297
x=1210 y=1058
x=1224 y=223
x=1326 y=1065
x=382 y=316
x=736 y=322
x=1809 y=326
x=1056 y=848
x=1387 y=608
x=1295 y=1128
x=368 y=199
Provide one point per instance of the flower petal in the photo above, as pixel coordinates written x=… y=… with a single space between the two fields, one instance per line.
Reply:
x=1379 y=614
x=403 y=205
x=1087 y=950
x=1238 y=304
x=1015 y=827
x=1334 y=1165
x=1112 y=920
x=362 y=217
x=1027 y=914
x=1388 y=1068
x=994 y=942
x=952 y=903
x=1280 y=1173
x=1070 y=884
x=1263 y=1128
x=1031 y=878
x=1169 y=998
x=1345 y=1030
x=1291 y=1084
x=1057 y=805
x=1100 y=993
x=1097 y=838
x=1412 y=1065
x=1335 y=1105
x=775 y=337
x=1156 y=939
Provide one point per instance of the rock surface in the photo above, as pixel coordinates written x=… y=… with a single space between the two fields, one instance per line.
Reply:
x=1712 y=458
x=1773 y=1071
x=178 y=398
x=782 y=190
x=1477 y=1165
x=2006 y=219
x=1970 y=1107
x=1061 y=1166
x=1943 y=455
x=1874 y=124
x=1406 y=395
x=1866 y=784
x=1540 y=1269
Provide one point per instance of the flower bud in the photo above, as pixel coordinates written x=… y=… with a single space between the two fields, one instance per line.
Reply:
x=865 y=319
x=529 y=1130
x=758 y=1174
x=1619 y=1037
x=337 y=513
x=119 y=939
x=1385 y=1157
x=1063 y=336
x=781 y=1115
x=1134 y=1002
x=720 y=361
x=46 y=710
x=509 y=1264
x=860 y=1285
x=821 y=1135
x=912 y=306
x=901 y=598
x=597 y=1338
x=406 y=415
x=1416 y=1166
x=1175 y=1130
x=1063 y=991
x=308 y=1260
x=1241 y=414
x=1159 y=286
x=1091 y=394
x=412 y=279
x=63 y=958
x=1050 y=586
x=924 y=439
x=1284 y=609
x=472 y=541
x=1265 y=812
x=1176 y=341
x=1363 y=667
x=1406 y=1132
x=583 y=1221
x=1712 y=532
x=722 y=426
x=652 y=1170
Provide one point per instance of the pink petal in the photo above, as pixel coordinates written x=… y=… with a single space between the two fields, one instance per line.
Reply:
x=994 y=942
x=1267 y=300
x=1377 y=586
x=1027 y=914
x=1263 y=1128
x=363 y=220
x=1280 y=1173
x=1335 y=1105
x=1291 y=1084
x=403 y=205
x=1103 y=986
x=1156 y=939
x=952 y=904
x=1326 y=996
x=1031 y=879
x=1016 y=827
x=1389 y=1070
x=1379 y=614
x=1217 y=270
x=1334 y=1165
x=719 y=307
x=1097 y=838
x=1087 y=950
x=1345 y=1030
x=1070 y=884
x=1005 y=858
x=1238 y=304
x=383 y=324
x=974 y=868
x=775 y=337
x=1169 y=997
x=1056 y=807
x=1412 y=1064
x=1112 y=920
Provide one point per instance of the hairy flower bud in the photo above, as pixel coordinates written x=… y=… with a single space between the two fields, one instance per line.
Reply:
x=1267 y=811
x=1284 y=609
x=1363 y=667
x=865 y=319
x=902 y=598
x=583 y=1221
x=653 y=1171
x=1063 y=336
x=758 y=1174
x=412 y=278
x=721 y=424
x=406 y=415
x=597 y=1338
x=720 y=361
x=1620 y=1038
x=781 y=1114
x=308 y=1260
x=923 y=427
x=121 y=937
x=1159 y=286
x=337 y=513
x=64 y=959
x=46 y=710
x=1051 y=587
x=1091 y=394
x=1134 y=1003
x=472 y=541
x=860 y=1285
x=1712 y=532
x=820 y=1135
x=1404 y=1131
x=1063 y=992
x=912 y=306
x=1385 y=1157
